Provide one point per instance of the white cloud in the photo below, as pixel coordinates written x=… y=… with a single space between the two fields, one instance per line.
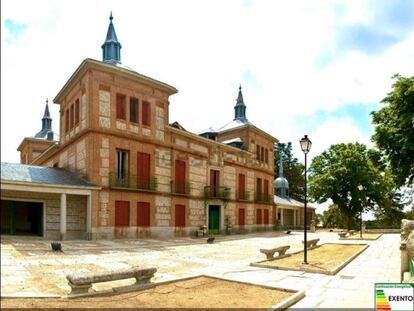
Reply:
x=203 y=49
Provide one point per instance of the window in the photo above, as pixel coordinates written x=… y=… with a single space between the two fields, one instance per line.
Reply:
x=76 y=111
x=266 y=216
x=262 y=155
x=67 y=121
x=258 y=152
x=179 y=176
x=259 y=194
x=267 y=156
x=122 y=165
x=120 y=107
x=241 y=216
x=143 y=170
x=259 y=216
x=71 y=119
x=242 y=187
x=143 y=214
x=214 y=182
x=121 y=213
x=146 y=114
x=180 y=215
x=133 y=110
x=266 y=188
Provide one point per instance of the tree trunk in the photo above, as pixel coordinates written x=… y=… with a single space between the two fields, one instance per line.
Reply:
x=349 y=222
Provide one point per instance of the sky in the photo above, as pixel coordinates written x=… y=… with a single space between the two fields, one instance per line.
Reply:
x=306 y=67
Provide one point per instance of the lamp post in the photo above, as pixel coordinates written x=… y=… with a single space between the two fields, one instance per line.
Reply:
x=305 y=145
x=360 y=188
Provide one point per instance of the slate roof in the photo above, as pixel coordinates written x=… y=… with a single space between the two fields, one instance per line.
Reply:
x=41 y=175
x=290 y=202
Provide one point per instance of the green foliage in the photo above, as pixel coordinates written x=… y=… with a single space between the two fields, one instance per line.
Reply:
x=394 y=131
x=293 y=171
x=345 y=174
x=334 y=218
x=318 y=219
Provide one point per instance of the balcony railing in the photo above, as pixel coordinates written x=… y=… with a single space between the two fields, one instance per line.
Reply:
x=243 y=195
x=180 y=188
x=263 y=198
x=213 y=192
x=133 y=182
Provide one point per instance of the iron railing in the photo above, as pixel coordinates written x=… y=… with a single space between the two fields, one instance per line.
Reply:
x=263 y=198
x=133 y=182
x=243 y=195
x=182 y=188
x=213 y=192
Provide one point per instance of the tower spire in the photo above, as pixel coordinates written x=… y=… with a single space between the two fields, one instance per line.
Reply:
x=46 y=131
x=111 y=48
x=240 y=108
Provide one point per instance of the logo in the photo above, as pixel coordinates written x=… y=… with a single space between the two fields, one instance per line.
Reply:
x=394 y=296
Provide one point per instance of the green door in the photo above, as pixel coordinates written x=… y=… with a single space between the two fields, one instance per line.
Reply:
x=214 y=219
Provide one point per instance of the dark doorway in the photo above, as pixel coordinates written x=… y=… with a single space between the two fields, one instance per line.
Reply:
x=214 y=219
x=21 y=218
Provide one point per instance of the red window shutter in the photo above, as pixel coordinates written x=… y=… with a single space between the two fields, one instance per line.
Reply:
x=121 y=213
x=266 y=187
x=259 y=186
x=143 y=170
x=77 y=111
x=146 y=114
x=259 y=216
x=120 y=106
x=241 y=216
x=242 y=183
x=143 y=214
x=179 y=176
x=71 y=116
x=180 y=215
x=214 y=181
x=266 y=216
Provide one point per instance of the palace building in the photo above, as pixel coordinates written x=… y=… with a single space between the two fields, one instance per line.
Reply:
x=120 y=169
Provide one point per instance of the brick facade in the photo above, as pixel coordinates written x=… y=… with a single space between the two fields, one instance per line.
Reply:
x=91 y=147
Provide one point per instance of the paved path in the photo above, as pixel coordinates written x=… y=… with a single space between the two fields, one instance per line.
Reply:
x=30 y=269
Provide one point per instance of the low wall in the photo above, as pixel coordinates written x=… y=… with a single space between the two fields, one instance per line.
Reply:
x=383 y=230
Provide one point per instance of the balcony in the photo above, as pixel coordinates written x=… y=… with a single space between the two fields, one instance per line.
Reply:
x=263 y=198
x=213 y=192
x=180 y=188
x=133 y=183
x=243 y=195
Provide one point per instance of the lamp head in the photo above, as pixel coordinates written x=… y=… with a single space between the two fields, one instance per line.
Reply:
x=305 y=144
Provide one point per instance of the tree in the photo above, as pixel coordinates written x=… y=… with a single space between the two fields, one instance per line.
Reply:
x=345 y=174
x=394 y=131
x=334 y=218
x=293 y=171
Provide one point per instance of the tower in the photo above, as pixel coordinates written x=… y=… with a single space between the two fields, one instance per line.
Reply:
x=111 y=48
x=240 y=108
x=46 y=131
x=281 y=183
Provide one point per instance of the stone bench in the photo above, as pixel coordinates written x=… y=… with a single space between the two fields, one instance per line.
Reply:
x=311 y=243
x=351 y=232
x=81 y=284
x=271 y=252
x=342 y=234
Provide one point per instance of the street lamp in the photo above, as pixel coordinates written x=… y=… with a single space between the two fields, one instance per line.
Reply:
x=305 y=145
x=360 y=188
